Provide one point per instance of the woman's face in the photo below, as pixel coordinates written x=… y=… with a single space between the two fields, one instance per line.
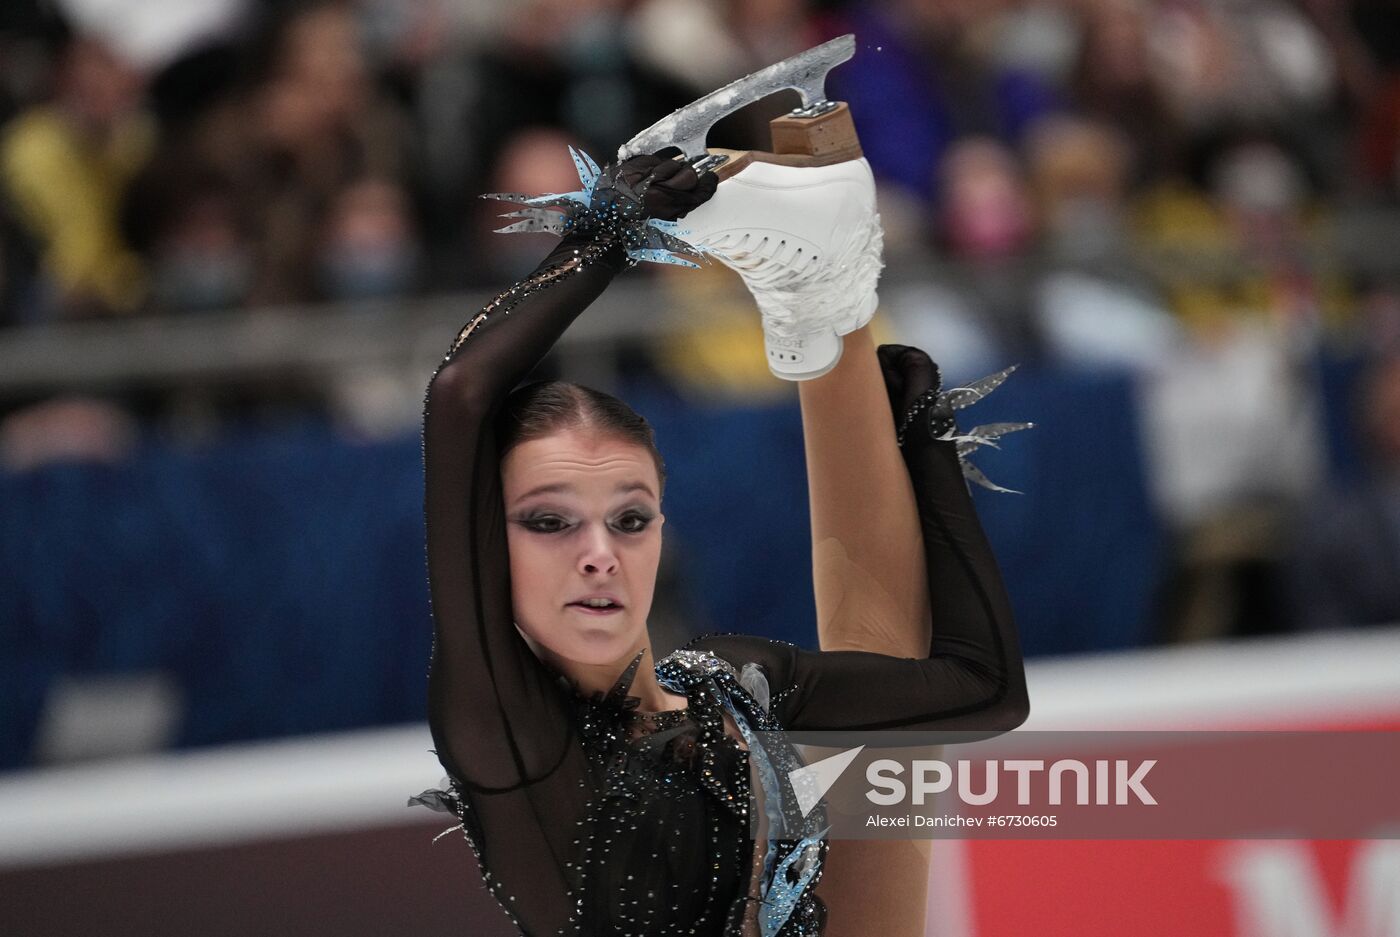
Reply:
x=583 y=522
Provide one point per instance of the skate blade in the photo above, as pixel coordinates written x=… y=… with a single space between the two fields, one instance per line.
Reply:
x=804 y=72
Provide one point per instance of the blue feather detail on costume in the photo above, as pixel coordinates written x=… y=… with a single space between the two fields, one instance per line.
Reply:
x=659 y=256
x=604 y=203
x=782 y=895
x=588 y=171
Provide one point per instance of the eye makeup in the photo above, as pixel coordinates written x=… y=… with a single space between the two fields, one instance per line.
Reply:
x=543 y=522
x=631 y=520
x=634 y=520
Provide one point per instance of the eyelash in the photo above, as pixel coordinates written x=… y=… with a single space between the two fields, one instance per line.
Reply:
x=645 y=520
x=537 y=524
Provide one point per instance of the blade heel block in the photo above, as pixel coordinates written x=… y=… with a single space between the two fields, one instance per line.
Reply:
x=829 y=137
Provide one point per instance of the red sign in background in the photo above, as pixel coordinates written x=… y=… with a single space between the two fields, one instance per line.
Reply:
x=1192 y=888
x=1174 y=888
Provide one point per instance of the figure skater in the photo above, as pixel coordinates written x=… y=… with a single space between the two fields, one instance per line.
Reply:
x=604 y=792
x=799 y=225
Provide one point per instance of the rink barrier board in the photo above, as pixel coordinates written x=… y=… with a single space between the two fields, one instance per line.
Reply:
x=311 y=834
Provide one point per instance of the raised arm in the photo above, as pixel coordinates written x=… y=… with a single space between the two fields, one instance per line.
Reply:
x=972 y=677
x=502 y=723
x=496 y=714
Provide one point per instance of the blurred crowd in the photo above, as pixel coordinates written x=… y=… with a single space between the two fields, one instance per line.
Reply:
x=252 y=154
x=1204 y=193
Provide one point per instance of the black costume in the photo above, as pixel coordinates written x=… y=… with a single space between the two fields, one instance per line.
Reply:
x=589 y=817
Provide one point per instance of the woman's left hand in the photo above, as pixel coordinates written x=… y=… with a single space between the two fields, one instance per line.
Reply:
x=672 y=186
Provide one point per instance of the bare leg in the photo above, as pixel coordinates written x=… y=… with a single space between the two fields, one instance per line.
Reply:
x=867 y=550
x=871 y=595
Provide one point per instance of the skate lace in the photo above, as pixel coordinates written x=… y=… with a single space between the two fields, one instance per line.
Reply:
x=796 y=290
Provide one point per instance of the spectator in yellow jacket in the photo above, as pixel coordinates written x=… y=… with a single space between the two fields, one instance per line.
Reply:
x=65 y=166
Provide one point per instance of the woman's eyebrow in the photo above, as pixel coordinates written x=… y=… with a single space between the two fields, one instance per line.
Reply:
x=566 y=488
x=551 y=489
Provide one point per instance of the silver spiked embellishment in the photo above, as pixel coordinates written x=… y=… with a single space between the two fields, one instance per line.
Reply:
x=606 y=206
x=942 y=426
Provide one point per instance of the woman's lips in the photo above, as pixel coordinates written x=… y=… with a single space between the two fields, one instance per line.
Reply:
x=591 y=610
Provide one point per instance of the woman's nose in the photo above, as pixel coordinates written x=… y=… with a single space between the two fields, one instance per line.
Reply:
x=598 y=556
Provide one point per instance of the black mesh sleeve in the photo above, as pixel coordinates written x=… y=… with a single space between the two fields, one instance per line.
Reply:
x=973 y=678
x=501 y=723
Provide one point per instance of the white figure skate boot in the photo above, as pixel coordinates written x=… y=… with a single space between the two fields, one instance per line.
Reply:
x=807 y=241
x=799 y=223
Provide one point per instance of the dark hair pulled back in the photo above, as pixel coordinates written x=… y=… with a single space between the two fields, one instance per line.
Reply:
x=546 y=407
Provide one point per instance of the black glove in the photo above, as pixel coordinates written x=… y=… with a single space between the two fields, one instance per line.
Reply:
x=614 y=223
x=668 y=187
x=913 y=382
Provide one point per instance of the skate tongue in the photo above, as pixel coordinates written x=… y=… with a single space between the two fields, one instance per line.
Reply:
x=687 y=127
